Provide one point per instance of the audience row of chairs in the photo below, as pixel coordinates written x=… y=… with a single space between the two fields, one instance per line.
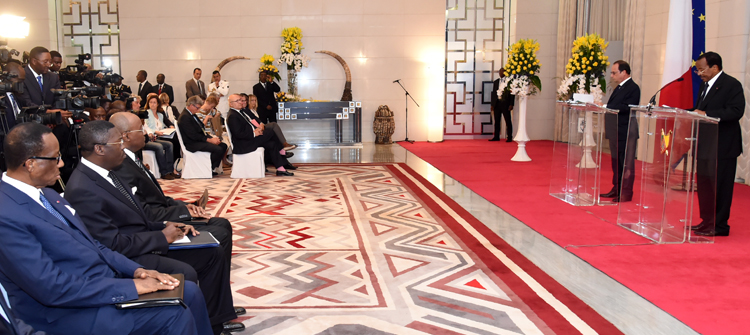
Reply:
x=198 y=164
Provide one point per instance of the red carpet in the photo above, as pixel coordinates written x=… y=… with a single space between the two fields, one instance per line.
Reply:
x=703 y=285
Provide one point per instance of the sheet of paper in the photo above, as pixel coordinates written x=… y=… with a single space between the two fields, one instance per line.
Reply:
x=184 y=239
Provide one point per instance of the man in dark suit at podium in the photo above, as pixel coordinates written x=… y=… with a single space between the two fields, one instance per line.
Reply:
x=501 y=107
x=626 y=93
x=721 y=96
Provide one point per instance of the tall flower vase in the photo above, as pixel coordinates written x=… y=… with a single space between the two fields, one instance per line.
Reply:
x=521 y=136
x=291 y=76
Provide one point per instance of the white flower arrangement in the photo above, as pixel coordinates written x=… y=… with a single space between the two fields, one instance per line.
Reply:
x=519 y=85
x=295 y=61
x=579 y=82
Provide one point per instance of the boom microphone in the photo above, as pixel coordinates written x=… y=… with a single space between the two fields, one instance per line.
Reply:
x=397 y=80
x=653 y=99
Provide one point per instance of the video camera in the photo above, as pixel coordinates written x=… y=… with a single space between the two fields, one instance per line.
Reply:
x=77 y=99
x=39 y=115
x=79 y=74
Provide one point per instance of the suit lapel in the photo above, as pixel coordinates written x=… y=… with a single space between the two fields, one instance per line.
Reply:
x=35 y=87
x=111 y=189
x=712 y=91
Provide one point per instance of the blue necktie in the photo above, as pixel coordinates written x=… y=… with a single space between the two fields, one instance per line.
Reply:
x=39 y=80
x=52 y=210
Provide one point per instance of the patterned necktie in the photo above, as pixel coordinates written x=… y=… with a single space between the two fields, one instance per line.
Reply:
x=143 y=168
x=39 y=80
x=122 y=189
x=52 y=210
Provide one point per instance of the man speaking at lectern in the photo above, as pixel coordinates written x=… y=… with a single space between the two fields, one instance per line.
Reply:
x=626 y=93
x=720 y=96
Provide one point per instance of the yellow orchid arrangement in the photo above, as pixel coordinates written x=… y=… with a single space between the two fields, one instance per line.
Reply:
x=522 y=68
x=268 y=66
x=587 y=64
x=292 y=40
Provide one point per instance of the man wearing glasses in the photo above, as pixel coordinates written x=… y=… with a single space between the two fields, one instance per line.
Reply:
x=193 y=135
x=721 y=96
x=59 y=279
x=116 y=218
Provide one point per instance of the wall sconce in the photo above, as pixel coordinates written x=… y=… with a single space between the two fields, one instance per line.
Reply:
x=12 y=26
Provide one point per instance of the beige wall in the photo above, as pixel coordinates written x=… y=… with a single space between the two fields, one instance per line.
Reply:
x=538 y=20
x=381 y=41
x=40 y=14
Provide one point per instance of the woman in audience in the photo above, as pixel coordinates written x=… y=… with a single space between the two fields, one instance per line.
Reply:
x=171 y=111
x=154 y=127
x=214 y=122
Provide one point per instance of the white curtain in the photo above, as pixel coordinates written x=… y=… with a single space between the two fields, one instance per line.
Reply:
x=635 y=33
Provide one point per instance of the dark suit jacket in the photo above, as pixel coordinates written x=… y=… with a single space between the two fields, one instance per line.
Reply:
x=145 y=90
x=33 y=95
x=192 y=132
x=621 y=99
x=165 y=89
x=52 y=271
x=191 y=89
x=111 y=218
x=504 y=103
x=158 y=206
x=267 y=97
x=243 y=138
x=14 y=326
x=726 y=101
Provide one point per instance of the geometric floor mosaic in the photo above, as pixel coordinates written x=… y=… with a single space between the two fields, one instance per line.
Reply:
x=372 y=249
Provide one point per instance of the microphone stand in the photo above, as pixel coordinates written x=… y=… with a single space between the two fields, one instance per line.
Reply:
x=406 y=105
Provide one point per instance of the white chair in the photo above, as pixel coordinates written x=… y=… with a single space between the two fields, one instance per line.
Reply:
x=196 y=164
x=249 y=165
x=149 y=158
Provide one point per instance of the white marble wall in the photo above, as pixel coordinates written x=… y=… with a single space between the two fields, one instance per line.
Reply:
x=40 y=14
x=381 y=41
x=538 y=20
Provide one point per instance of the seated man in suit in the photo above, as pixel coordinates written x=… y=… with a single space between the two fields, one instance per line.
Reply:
x=158 y=207
x=12 y=324
x=58 y=277
x=115 y=217
x=246 y=137
x=193 y=135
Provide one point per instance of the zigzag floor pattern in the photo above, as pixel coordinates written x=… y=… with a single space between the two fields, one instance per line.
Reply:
x=351 y=249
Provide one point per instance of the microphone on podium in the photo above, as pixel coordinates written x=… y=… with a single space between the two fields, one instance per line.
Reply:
x=653 y=99
x=397 y=80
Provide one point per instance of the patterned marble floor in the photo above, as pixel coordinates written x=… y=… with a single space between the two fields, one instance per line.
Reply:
x=283 y=235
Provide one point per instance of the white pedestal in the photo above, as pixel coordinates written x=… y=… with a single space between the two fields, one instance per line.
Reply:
x=521 y=136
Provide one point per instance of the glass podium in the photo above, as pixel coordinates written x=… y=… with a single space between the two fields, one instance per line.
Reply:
x=675 y=166
x=577 y=158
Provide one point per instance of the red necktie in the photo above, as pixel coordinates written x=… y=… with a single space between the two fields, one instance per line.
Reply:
x=159 y=89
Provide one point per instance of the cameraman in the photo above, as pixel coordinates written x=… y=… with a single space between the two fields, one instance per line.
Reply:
x=39 y=82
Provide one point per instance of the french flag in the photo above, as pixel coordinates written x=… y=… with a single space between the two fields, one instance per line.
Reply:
x=686 y=41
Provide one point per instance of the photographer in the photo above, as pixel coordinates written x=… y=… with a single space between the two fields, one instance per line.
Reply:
x=12 y=87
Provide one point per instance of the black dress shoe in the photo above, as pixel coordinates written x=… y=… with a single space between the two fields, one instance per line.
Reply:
x=611 y=194
x=700 y=226
x=289 y=154
x=509 y=140
x=233 y=326
x=494 y=139
x=710 y=232
x=214 y=174
x=290 y=166
x=239 y=310
x=284 y=173
x=623 y=198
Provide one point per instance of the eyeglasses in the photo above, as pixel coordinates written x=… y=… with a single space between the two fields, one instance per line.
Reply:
x=58 y=158
x=700 y=72
x=132 y=131
x=120 y=142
